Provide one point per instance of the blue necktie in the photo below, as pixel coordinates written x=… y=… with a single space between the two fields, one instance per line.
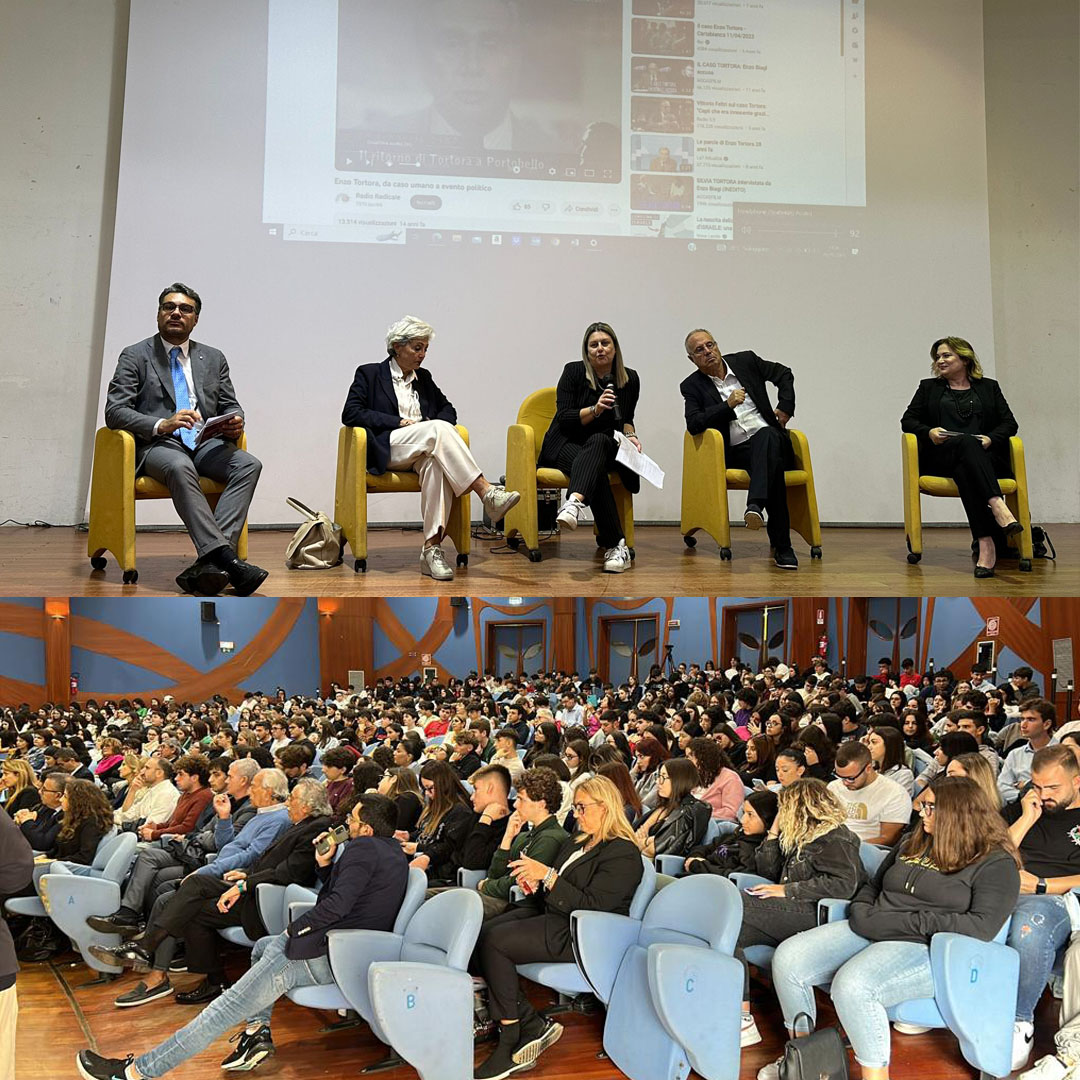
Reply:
x=180 y=392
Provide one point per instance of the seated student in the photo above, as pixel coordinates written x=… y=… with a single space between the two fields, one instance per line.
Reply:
x=956 y=871
x=337 y=763
x=678 y=823
x=951 y=745
x=975 y=767
x=539 y=796
x=158 y=799
x=465 y=759
x=976 y=725
x=878 y=808
x=403 y=789
x=363 y=889
x=760 y=758
x=818 y=752
x=18 y=783
x=597 y=870
x=443 y=826
x=1037 y=720
x=737 y=852
x=811 y=854
x=886 y=746
x=87 y=818
x=649 y=755
x=1043 y=825
x=721 y=787
x=191 y=775
x=791 y=765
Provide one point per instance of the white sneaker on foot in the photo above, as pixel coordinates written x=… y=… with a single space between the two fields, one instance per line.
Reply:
x=1050 y=1068
x=433 y=564
x=748 y=1032
x=770 y=1071
x=572 y=513
x=1023 y=1034
x=497 y=501
x=617 y=559
x=909 y=1029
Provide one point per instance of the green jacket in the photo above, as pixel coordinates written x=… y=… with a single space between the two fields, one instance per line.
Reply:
x=541 y=843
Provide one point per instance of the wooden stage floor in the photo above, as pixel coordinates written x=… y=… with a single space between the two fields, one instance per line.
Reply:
x=59 y=1015
x=856 y=562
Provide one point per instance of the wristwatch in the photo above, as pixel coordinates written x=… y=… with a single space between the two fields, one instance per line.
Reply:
x=1040 y=886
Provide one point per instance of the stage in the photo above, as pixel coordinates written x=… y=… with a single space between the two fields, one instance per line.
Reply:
x=856 y=562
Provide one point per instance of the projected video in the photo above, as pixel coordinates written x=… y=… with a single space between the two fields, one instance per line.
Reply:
x=422 y=119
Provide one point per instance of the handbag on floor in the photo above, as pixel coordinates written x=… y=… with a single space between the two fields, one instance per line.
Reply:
x=821 y=1055
x=317 y=544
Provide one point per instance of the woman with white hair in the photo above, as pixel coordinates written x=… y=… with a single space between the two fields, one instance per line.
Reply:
x=410 y=425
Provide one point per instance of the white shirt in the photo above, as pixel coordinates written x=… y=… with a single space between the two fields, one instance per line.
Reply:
x=152 y=804
x=405 y=392
x=185 y=366
x=883 y=801
x=748 y=419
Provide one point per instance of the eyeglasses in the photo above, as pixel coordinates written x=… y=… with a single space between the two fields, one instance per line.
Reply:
x=579 y=808
x=852 y=779
x=186 y=309
x=927 y=809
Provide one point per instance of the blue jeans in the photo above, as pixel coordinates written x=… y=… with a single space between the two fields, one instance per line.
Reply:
x=250 y=1000
x=867 y=978
x=1040 y=926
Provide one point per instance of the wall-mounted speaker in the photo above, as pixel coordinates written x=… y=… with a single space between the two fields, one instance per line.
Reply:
x=209 y=611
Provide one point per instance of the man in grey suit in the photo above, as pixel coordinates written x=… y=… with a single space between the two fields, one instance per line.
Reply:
x=162 y=390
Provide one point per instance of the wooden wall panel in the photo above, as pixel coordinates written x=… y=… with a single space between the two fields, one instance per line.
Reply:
x=57 y=631
x=346 y=630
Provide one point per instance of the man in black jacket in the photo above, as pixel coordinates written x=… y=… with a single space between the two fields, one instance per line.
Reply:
x=729 y=393
x=204 y=903
x=41 y=826
x=363 y=890
x=16 y=868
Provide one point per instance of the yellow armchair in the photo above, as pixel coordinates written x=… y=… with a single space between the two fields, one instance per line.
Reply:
x=1015 y=493
x=523 y=442
x=706 y=481
x=351 y=492
x=113 y=494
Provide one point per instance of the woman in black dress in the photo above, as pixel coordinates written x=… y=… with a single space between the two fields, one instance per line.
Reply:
x=596 y=397
x=963 y=424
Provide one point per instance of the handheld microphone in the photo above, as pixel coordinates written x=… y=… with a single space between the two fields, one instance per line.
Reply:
x=607 y=383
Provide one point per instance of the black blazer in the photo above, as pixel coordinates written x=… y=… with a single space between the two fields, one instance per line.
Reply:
x=363 y=890
x=705 y=408
x=373 y=405
x=995 y=417
x=603 y=879
x=16 y=868
x=574 y=394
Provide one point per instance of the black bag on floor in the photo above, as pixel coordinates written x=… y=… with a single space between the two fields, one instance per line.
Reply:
x=820 y=1055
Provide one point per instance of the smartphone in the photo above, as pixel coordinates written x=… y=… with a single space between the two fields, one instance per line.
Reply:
x=338 y=834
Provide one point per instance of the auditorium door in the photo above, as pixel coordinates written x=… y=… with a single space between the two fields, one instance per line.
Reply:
x=754 y=632
x=518 y=647
x=629 y=645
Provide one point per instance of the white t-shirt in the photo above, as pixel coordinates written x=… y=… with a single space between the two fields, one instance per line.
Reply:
x=882 y=800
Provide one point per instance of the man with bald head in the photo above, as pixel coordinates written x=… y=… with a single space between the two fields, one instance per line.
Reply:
x=729 y=393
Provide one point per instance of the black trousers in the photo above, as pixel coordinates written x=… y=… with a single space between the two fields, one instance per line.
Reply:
x=762 y=456
x=515 y=937
x=588 y=466
x=768 y=921
x=972 y=468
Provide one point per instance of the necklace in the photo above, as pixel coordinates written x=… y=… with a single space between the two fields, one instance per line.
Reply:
x=965 y=406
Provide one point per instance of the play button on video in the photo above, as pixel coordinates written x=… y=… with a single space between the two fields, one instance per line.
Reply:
x=425 y=202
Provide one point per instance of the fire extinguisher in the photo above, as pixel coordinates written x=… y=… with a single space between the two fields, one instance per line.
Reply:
x=823 y=644
x=74 y=684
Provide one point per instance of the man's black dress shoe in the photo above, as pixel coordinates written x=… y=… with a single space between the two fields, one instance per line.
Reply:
x=199 y=995
x=203 y=578
x=244 y=577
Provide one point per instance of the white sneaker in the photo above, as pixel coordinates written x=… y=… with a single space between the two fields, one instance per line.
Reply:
x=434 y=565
x=617 y=559
x=748 y=1032
x=770 y=1071
x=571 y=513
x=498 y=501
x=909 y=1029
x=1023 y=1034
x=1050 y=1068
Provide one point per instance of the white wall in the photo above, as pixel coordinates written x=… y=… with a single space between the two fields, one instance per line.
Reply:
x=1032 y=62
x=62 y=68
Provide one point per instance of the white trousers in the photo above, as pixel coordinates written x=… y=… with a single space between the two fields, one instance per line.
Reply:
x=9 y=1014
x=436 y=452
x=1067 y=1040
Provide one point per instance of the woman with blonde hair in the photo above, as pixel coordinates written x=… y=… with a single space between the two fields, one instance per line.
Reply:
x=17 y=783
x=810 y=854
x=599 y=869
x=131 y=771
x=980 y=770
